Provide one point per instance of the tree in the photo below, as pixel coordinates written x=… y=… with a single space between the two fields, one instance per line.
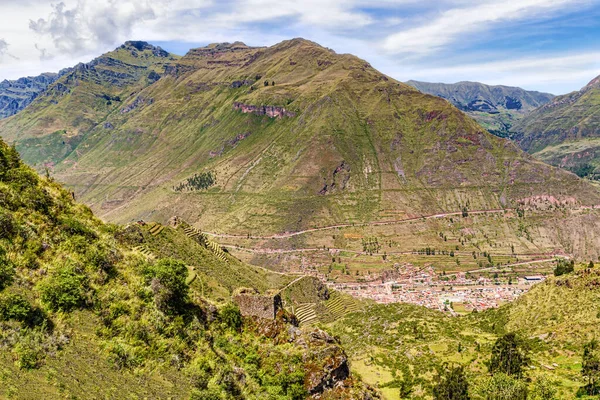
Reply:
x=591 y=264
x=167 y=280
x=564 y=267
x=543 y=389
x=590 y=367
x=504 y=387
x=452 y=385
x=509 y=356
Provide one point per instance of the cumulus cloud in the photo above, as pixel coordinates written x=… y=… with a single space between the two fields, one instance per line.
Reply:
x=91 y=24
x=454 y=23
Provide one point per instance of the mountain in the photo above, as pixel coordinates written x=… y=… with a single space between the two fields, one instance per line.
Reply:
x=496 y=108
x=18 y=94
x=256 y=142
x=89 y=310
x=566 y=131
x=81 y=98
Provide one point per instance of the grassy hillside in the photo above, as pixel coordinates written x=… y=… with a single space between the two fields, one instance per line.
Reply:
x=84 y=314
x=565 y=132
x=496 y=108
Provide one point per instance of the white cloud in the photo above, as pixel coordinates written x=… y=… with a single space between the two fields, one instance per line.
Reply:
x=47 y=35
x=455 y=23
x=3 y=47
x=90 y=24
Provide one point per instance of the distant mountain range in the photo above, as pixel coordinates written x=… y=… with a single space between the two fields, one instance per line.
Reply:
x=566 y=131
x=18 y=94
x=496 y=108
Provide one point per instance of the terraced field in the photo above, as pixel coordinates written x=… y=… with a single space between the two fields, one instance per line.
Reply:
x=155 y=228
x=339 y=305
x=145 y=251
x=306 y=314
x=201 y=238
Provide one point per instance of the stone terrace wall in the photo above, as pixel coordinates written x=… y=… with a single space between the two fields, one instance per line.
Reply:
x=256 y=305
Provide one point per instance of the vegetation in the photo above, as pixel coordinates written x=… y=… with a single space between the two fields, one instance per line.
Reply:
x=590 y=368
x=197 y=182
x=509 y=356
x=452 y=385
x=84 y=314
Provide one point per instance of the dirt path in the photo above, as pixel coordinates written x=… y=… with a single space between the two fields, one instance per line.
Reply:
x=374 y=223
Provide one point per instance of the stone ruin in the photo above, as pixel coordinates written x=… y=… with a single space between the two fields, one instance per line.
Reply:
x=254 y=304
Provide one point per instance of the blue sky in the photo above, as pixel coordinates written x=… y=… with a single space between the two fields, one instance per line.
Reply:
x=546 y=45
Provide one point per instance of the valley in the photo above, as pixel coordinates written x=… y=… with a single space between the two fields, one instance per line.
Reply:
x=284 y=222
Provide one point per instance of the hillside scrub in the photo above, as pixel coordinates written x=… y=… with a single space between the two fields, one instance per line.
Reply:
x=59 y=265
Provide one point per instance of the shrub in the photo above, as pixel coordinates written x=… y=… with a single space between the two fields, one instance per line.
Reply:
x=14 y=307
x=504 y=387
x=123 y=355
x=103 y=258
x=7 y=271
x=64 y=290
x=29 y=351
x=7 y=225
x=231 y=316
x=200 y=372
x=207 y=394
x=167 y=280
x=73 y=227
x=564 y=267
x=543 y=389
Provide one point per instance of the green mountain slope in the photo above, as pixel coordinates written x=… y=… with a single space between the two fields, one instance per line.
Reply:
x=253 y=141
x=85 y=314
x=55 y=123
x=496 y=108
x=566 y=131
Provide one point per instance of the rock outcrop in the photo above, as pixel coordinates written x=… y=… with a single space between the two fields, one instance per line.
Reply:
x=18 y=94
x=269 y=111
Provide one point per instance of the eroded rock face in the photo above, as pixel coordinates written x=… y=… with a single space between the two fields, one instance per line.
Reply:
x=269 y=111
x=326 y=363
x=18 y=94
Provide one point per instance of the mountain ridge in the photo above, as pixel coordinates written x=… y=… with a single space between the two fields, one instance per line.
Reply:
x=565 y=131
x=495 y=107
x=295 y=136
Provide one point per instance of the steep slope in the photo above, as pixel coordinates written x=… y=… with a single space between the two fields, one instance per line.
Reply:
x=83 y=314
x=566 y=131
x=18 y=94
x=56 y=122
x=496 y=108
x=267 y=140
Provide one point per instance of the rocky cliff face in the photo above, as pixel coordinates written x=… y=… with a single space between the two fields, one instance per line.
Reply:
x=18 y=94
x=269 y=111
